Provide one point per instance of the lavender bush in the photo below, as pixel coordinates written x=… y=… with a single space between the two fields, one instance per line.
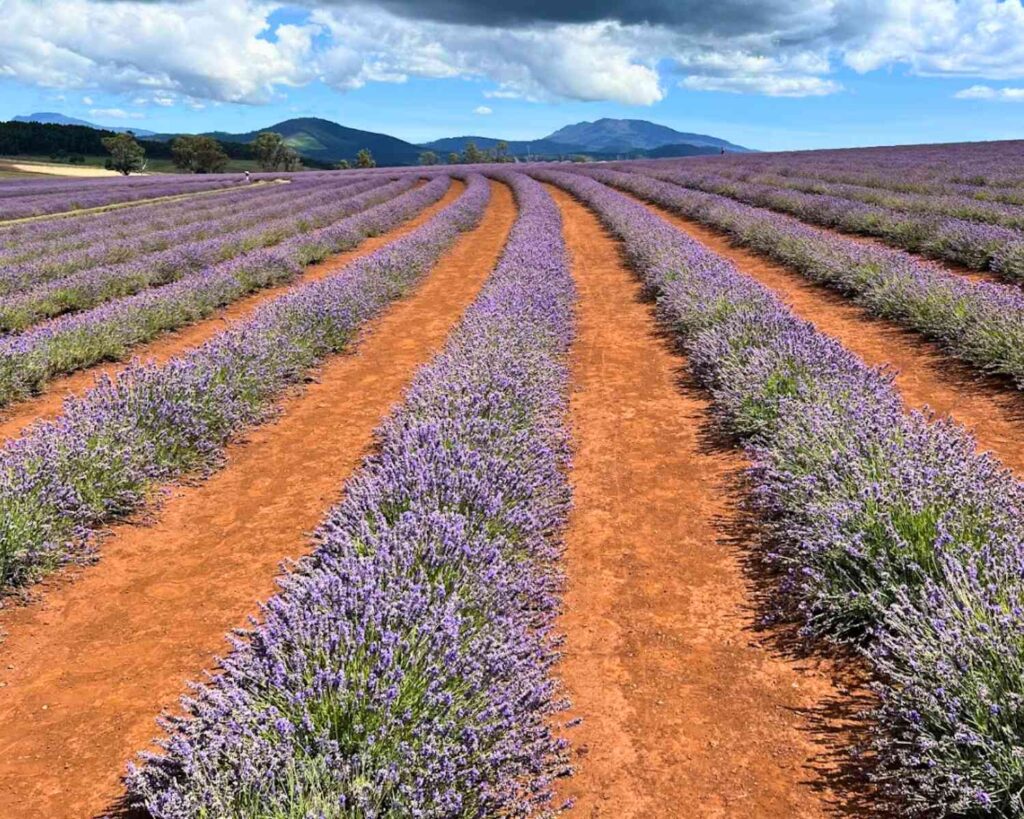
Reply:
x=979 y=246
x=59 y=197
x=31 y=263
x=90 y=287
x=888 y=529
x=954 y=204
x=151 y=423
x=403 y=668
x=987 y=170
x=109 y=332
x=980 y=323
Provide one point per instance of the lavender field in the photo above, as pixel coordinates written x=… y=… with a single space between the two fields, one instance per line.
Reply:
x=507 y=489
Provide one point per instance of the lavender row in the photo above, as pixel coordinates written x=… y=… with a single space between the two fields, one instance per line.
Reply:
x=89 y=288
x=981 y=323
x=403 y=670
x=109 y=332
x=885 y=527
x=98 y=460
x=39 y=186
x=65 y=231
x=25 y=239
x=82 y=198
x=974 y=245
x=943 y=204
x=981 y=167
x=944 y=199
x=94 y=244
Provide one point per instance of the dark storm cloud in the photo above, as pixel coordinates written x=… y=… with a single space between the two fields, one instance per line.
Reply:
x=723 y=17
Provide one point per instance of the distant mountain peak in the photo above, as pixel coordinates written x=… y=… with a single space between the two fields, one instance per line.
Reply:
x=609 y=135
x=54 y=118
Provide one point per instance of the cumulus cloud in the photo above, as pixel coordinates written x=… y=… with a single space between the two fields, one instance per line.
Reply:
x=483 y=110
x=115 y=113
x=769 y=85
x=986 y=92
x=592 y=61
x=207 y=49
x=191 y=51
x=976 y=92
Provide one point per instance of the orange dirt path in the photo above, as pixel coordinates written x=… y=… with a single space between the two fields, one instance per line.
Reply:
x=991 y=408
x=686 y=710
x=16 y=417
x=86 y=671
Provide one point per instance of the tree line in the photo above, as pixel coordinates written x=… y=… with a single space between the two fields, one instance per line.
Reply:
x=470 y=155
x=200 y=154
x=193 y=154
x=129 y=153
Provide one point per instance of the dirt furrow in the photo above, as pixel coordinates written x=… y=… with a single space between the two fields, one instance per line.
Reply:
x=15 y=418
x=687 y=710
x=990 y=407
x=84 y=672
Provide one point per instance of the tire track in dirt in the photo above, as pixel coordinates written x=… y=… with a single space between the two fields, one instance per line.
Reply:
x=992 y=408
x=85 y=672
x=16 y=417
x=686 y=710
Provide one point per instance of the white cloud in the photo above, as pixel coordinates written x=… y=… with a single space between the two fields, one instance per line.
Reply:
x=737 y=72
x=976 y=92
x=769 y=85
x=208 y=49
x=115 y=113
x=200 y=52
x=982 y=38
x=985 y=92
x=483 y=110
x=592 y=61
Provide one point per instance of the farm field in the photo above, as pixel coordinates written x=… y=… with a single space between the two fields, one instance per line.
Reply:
x=653 y=488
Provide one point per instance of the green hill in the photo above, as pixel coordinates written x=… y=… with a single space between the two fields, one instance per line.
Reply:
x=327 y=141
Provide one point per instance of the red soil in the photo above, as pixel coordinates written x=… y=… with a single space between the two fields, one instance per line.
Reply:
x=991 y=408
x=85 y=672
x=16 y=417
x=687 y=710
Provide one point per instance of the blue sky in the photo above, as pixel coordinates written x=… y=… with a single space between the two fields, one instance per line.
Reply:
x=776 y=82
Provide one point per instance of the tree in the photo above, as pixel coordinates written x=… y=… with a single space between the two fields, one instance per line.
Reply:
x=428 y=158
x=344 y=165
x=273 y=153
x=472 y=155
x=269 y=148
x=126 y=155
x=290 y=159
x=198 y=154
x=453 y=158
x=364 y=159
x=501 y=152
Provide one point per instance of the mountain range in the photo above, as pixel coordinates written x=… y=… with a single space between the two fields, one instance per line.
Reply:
x=604 y=139
x=52 y=118
x=601 y=139
x=327 y=141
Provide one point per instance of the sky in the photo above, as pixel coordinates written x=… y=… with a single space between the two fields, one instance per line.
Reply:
x=772 y=75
